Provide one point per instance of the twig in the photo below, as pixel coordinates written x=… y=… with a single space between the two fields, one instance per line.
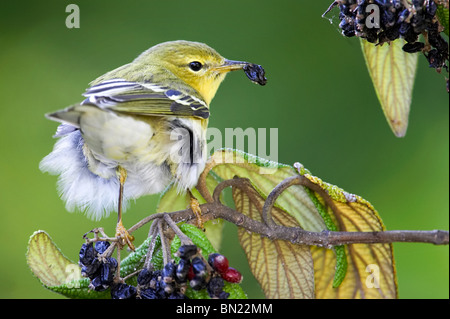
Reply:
x=164 y=246
x=117 y=276
x=185 y=240
x=134 y=273
x=96 y=238
x=270 y=201
x=151 y=246
x=144 y=221
x=201 y=185
x=334 y=4
x=236 y=181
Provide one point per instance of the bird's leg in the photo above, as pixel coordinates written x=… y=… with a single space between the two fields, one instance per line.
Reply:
x=121 y=232
x=195 y=206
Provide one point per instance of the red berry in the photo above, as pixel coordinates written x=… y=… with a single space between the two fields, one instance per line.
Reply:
x=191 y=274
x=218 y=262
x=232 y=275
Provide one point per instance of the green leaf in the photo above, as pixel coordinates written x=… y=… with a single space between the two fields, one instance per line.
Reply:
x=55 y=271
x=135 y=260
x=442 y=14
x=199 y=238
x=48 y=263
x=392 y=71
x=341 y=256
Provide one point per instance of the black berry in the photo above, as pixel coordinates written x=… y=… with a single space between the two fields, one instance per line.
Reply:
x=123 y=291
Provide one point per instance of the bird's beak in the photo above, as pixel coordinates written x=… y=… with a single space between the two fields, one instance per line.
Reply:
x=230 y=65
x=254 y=72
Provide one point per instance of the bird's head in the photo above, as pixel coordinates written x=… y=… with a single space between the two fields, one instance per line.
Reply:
x=196 y=64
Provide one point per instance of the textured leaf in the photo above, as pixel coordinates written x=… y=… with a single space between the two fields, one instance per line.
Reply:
x=47 y=262
x=349 y=265
x=54 y=270
x=136 y=259
x=265 y=175
x=199 y=238
x=61 y=275
x=392 y=71
x=354 y=214
x=284 y=270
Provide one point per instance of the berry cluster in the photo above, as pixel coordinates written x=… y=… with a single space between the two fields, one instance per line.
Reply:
x=159 y=284
x=168 y=283
x=99 y=270
x=396 y=18
x=221 y=271
x=171 y=282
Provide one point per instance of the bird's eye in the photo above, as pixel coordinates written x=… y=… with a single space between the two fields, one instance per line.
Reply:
x=195 y=66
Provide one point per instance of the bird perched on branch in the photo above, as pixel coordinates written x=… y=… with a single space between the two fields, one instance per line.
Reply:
x=141 y=127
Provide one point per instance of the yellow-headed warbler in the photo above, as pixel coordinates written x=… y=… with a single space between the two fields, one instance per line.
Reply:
x=141 y=127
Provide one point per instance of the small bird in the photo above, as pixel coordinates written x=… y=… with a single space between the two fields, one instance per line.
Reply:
x=140 y=128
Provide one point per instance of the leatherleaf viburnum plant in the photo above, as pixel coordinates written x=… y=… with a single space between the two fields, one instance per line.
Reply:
x=303 y=238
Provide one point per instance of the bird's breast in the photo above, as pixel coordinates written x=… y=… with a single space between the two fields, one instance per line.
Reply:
x=154 y=150
x=114 y=137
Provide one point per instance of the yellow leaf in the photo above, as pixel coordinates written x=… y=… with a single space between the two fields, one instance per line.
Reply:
x=48 y=263
x=284 y=270
x=392 y=71
x=371 y=270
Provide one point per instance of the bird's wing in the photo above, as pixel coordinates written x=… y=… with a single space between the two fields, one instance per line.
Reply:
x=147 y=98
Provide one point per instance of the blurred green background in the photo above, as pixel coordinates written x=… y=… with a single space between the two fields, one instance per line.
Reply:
x=319 y=96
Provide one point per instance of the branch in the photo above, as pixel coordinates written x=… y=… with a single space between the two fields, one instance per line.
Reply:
x=214 y=209
x=296 y=235
x=322 y=239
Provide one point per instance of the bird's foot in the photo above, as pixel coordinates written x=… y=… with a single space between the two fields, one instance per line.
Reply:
x=124 y=238
x=195 y=206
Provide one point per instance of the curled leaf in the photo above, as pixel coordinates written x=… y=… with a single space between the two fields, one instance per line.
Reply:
x=55 y=271
x=371 y=269
x=48 y=263
x=350 y=271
